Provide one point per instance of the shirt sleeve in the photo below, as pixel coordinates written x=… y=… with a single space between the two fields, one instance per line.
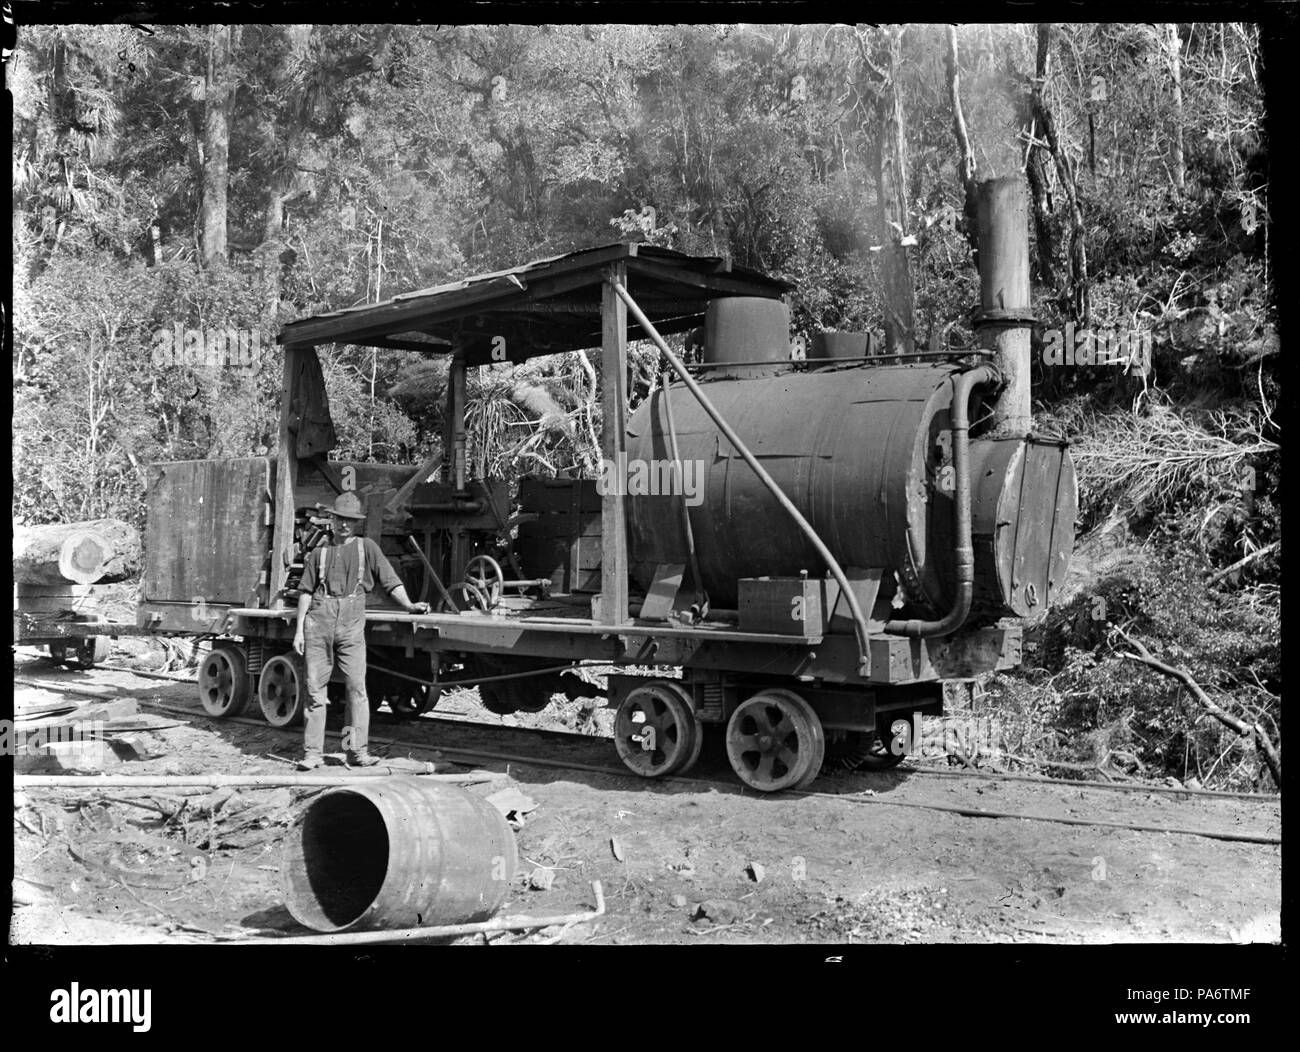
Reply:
x=380 y=568
x=310 y=572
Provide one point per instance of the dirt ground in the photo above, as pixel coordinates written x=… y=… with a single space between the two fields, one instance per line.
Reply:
x=683 y=861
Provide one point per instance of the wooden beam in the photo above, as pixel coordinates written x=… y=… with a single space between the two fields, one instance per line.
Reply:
x=722 y=284
x=613 y=448
x=286 y=472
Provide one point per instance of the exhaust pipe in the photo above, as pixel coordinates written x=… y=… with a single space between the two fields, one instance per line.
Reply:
x=963 y=386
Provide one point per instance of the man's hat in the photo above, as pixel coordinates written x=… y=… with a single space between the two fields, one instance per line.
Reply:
x=346 y=507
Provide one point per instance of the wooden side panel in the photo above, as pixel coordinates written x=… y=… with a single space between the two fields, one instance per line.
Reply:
x=206 y=532
x=564 y=542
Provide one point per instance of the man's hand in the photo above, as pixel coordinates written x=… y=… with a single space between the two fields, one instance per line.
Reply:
x=417 y=608
x=299 y=644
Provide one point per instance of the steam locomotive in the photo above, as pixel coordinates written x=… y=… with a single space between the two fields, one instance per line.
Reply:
x=792 y=553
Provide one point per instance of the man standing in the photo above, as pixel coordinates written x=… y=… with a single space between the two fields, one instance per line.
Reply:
x=331 y=628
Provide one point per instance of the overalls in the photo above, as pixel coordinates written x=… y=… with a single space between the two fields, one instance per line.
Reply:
x=334 y=632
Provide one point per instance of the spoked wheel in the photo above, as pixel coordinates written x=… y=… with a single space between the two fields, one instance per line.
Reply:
x=223 y=681
x=655 y=731
x=282 y=690
x=775 y=741
x=485 y=574
x=466 y=596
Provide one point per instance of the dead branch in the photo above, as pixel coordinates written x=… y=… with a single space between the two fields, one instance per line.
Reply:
x=1243 y=562
x=1263 y=743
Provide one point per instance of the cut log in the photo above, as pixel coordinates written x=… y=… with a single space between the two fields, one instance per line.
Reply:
x=127 y=557
x=80 y=552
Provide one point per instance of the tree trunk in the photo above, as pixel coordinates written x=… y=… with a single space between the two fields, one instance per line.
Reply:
x=219 y=90
x=285 y=184
x=891 y=186
x=966 y=155
x=1174 y=44
x=80 y=552
x=1078 y=292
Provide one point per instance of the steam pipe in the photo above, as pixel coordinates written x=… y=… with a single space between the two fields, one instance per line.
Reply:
x=964 y=552
x=837 y=571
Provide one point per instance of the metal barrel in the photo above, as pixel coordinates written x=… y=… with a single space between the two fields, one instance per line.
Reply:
x=397 y=853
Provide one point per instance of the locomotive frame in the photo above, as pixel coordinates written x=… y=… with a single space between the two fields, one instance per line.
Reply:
x=785 y=696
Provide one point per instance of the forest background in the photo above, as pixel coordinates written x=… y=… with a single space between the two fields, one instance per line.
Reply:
x=174 y=178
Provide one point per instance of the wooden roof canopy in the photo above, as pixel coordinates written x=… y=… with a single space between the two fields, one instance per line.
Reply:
x=543 y=307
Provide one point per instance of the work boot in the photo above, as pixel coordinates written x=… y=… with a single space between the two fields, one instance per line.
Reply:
x=310 y=761
x=361 y=759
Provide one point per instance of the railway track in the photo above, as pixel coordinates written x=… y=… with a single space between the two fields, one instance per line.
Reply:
x=855 y=795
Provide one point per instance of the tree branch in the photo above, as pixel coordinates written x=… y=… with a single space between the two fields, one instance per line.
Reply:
x=1263 y=743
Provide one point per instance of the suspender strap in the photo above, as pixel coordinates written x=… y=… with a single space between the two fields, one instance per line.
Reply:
x=323 y=571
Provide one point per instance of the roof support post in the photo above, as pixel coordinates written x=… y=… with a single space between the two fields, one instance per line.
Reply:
x=286 y=473
x=613 y=448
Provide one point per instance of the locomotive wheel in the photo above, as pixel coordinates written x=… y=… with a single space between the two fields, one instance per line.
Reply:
x=775 y=741
x=654 y=731
x=282 y=690
x=485 y=574
x=697 y=747
x=411 y=700
x=863 y=751
x=223 y=681
x=91 y=651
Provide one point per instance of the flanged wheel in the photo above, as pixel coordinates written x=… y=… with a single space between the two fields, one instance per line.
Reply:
x=92 y=650
x=223 y=681
x=655 y=730
x=58 y=652
x=282 y=690
x=412 y=699
x=485 y=574
x=775 y=741
x=697 y=747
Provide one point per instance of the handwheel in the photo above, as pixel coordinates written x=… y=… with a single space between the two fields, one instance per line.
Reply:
x=473 y=598
x=223 y=681
x=485 y=574
x=654 y=730
x=775 y=741
x=282 y=690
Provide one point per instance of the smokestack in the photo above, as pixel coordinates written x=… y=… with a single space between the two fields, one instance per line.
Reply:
x=1005 y=317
